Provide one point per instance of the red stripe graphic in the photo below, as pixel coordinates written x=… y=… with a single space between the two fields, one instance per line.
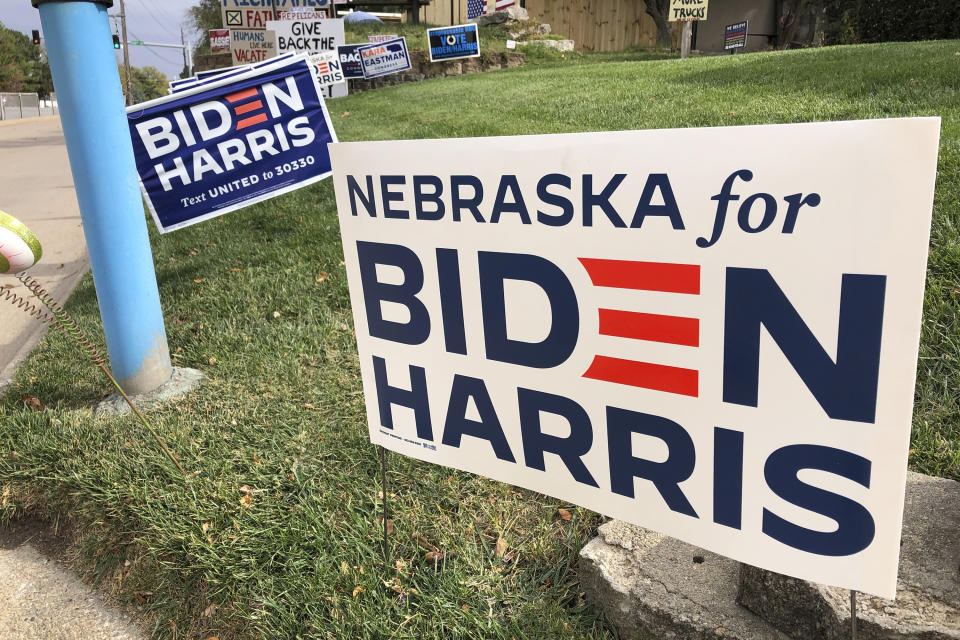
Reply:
x=242 y=95
x=247 y=108
x=645 y=276
x=650 y=326
x=249 y=122
x=657 y=377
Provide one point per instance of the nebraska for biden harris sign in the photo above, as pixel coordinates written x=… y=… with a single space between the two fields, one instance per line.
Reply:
x=686 y=329
x=231 y=143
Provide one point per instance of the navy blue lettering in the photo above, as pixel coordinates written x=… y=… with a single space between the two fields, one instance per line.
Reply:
x=495 y=268
x=488 y=428
x=602 y=200
x=451 y=301
x=669 y=207
x=417 y=329
x=570 y=449
x=566 y=207
x=458 y=203
x=847 y=389
x=769 y=212
x=500 y=205
x=794 y=203
x=368 y=200
x=420 y=196
x=666 y=476
x=727 y=477
x=415 y=398
x=388 y=197
x=723 y=201
x=855 y=525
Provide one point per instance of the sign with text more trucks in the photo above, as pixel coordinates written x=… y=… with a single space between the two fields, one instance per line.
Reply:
x=684 y=10
x=451 y=43
x=223 y=146
x=721 y=349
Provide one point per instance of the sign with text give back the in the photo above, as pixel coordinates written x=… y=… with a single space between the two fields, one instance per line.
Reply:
x=222 y=146
x=685 y=329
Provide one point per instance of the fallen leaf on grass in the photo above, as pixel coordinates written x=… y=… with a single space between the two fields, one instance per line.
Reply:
x=276 y=314
x=389 y=524
x=423 y=542
x=236 y=270
x=564 y=515
x=501 y=547
x=358 y=590
x=434 y=556
x=322 y=277
x=209 y=611
x=199 y=280
x=33 y=403
x=213 y=361
x=246 y=501
x=346 y=114
x=465 y=607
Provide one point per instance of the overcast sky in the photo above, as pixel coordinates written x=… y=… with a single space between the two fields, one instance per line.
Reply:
x=147 y=20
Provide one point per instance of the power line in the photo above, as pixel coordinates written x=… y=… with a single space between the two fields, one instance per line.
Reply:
x=156 y=53
x=149 y=11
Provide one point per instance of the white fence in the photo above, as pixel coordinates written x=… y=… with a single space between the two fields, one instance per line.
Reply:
x=14 y=106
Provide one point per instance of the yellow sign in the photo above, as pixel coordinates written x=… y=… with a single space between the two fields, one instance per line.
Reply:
x=688 y=10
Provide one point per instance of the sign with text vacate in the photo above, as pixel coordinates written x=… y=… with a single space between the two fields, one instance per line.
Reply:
x=708 y=338
x=450 y=43
x=384 y=58
x=223 y=146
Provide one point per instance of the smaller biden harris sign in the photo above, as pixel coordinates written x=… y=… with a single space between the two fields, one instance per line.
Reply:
x=222 y=146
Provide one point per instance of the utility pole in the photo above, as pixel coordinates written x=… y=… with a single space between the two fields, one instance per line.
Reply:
x=185 y=65
x=126 y=52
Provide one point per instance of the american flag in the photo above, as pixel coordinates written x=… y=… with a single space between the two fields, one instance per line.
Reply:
x=476 y=8
x=503 y=4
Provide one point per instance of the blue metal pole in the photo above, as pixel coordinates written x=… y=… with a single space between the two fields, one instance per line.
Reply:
x=80 y=50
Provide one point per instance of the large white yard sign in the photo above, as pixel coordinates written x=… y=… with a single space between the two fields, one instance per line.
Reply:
x=709 y=332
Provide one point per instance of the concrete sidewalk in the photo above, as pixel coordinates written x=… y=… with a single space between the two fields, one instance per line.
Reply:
x=41 y=598
x=36 y=186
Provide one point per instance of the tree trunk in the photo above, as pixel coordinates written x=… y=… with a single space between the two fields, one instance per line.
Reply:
x=659 y=10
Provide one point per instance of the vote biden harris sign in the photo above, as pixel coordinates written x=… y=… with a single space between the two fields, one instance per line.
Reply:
x=222 y=146
x=686 y=329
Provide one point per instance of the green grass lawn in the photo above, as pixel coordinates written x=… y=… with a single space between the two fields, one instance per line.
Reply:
x=276 y=537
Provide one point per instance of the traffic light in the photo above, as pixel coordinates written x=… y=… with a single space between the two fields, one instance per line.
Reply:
x=36 y=37
x=116 y=41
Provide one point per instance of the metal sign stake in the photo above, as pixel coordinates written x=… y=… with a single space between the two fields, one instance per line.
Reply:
x=383 y=484
x=853 y=615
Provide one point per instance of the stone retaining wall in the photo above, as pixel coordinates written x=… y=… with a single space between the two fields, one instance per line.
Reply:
x=421 y=68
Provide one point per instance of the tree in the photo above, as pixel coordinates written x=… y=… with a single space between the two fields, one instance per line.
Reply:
x=205 y=15
x=146 y=83
x=22 y=68
x=791 y=15
x=659 y=10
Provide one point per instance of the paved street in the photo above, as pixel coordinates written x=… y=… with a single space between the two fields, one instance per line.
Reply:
x=42 y=599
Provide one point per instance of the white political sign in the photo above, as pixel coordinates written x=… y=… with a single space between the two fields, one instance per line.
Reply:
x=711 y=338
x=312 y=36
x=327 y=68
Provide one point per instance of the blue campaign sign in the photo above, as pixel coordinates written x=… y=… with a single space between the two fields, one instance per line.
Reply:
x=451 y=43
x=217 y=148
x=384 y=58
x=350 y=60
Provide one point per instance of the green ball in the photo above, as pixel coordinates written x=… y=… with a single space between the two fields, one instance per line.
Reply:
x=19 y=248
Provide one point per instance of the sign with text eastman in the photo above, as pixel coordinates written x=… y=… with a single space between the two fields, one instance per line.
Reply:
x=686 y=329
